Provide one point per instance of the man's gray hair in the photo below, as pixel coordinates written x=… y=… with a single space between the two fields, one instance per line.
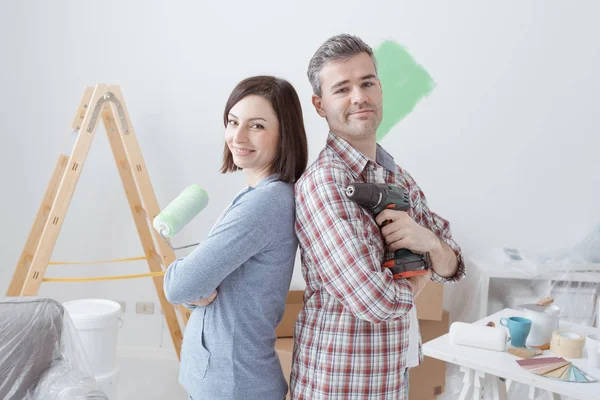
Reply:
x=336 y=48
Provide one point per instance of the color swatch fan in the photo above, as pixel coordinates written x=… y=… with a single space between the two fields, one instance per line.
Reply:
x=555 y=368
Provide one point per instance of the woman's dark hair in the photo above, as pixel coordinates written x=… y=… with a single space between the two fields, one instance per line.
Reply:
x=292 y=155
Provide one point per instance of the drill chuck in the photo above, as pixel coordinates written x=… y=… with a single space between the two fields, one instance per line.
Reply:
x=378 y=196
x=367 y=196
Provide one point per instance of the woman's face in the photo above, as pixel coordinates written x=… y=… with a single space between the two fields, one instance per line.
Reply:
x=252 y=135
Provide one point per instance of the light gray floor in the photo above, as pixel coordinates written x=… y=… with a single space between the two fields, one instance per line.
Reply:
x=153 y=379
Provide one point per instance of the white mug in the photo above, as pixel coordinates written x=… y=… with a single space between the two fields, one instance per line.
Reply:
x=592 y=346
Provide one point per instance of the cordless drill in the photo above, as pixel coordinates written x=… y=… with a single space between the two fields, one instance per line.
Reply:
x=378 y=197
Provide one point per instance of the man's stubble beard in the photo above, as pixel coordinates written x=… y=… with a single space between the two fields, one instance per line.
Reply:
x=364 y=129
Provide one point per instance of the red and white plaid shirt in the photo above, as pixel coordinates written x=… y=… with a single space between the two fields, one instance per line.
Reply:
x=351 y=336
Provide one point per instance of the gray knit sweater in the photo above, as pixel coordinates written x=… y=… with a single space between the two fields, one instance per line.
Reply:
x=228 y=350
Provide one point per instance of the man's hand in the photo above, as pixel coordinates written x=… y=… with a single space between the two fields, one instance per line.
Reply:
x=205 y=302
x=419 y=282
x=404 y=233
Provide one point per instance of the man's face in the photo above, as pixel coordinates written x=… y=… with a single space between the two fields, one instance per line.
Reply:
x=351 y=97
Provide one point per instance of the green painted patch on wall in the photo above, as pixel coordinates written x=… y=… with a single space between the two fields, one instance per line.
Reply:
x=404 y=84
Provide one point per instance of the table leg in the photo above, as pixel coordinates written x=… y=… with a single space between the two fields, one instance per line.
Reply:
x=467 y=383
x=552 y=395
x=499 y=391
x=531 y=392
x=478 y=376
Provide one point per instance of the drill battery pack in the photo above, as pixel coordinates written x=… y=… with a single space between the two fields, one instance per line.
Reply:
x=406 y=264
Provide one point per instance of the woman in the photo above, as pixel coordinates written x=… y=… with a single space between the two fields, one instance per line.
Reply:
x=237 y=280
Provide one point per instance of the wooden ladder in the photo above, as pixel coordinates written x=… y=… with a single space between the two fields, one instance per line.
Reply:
x=106 y=103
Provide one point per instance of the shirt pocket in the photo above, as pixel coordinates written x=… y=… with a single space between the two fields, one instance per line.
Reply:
x=194 y=355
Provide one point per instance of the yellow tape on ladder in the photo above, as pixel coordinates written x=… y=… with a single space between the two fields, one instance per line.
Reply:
x=97 y=262
x=102 y=278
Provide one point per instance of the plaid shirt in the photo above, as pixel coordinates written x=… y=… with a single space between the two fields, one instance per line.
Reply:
x=351 y=336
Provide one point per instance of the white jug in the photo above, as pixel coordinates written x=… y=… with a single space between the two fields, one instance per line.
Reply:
x=544 y=321
x=592 y=346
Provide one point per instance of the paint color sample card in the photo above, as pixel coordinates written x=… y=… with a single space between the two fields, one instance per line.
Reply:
x=532 y=362
x=559 y=372
x=555 y=368
x=546 y=368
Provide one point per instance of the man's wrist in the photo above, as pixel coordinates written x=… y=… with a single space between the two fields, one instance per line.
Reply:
x=438 y=247
x=442 y=257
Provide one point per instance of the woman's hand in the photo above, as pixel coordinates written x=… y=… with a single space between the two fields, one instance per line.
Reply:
x=205 y=302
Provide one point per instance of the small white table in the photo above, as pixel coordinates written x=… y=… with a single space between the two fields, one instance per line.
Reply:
x=498 y=369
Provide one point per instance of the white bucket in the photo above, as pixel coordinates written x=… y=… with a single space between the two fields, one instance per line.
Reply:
x=108 y=383
x=97 y=323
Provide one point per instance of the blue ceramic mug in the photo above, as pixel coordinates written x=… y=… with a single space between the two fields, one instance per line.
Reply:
x=518 y=328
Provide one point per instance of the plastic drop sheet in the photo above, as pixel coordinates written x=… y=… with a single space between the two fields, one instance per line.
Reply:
x=41 y=356
x=499 y=278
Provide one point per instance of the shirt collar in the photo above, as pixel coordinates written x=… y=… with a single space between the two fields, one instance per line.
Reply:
x=354 y=159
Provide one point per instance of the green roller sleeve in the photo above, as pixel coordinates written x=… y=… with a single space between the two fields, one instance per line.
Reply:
x=181 y=211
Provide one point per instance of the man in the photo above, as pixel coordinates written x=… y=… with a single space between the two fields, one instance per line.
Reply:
x=357 y=333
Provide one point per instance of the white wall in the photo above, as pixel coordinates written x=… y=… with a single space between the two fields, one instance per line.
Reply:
x=505 y=147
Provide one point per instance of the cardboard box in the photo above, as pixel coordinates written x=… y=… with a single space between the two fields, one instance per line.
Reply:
x=427 y=381
x=429 y=303
x=284 y=348
x=293 y=305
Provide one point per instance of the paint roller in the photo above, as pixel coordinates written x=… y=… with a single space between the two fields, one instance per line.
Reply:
x=180 y=212
x=484 y=337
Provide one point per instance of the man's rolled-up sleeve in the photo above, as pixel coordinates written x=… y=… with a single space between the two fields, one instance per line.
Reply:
x=441 y=227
